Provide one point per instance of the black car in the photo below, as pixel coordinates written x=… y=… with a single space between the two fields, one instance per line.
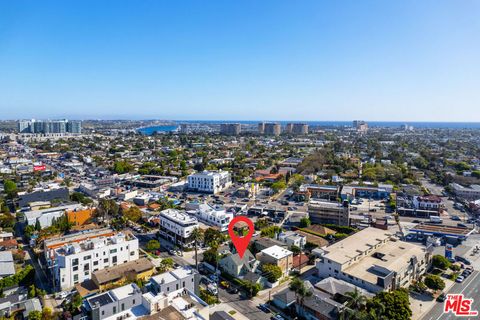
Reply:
x=232 y=290
x=463 y=260
x=441 y=297
x=264 y=308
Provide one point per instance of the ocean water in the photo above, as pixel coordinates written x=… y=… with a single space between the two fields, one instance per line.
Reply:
x=384 y=124
x=151 y=130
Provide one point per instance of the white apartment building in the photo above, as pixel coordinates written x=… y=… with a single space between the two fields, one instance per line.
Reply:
x=374 y=260
x=72 y=258
x=177 y=226
x=468 y=193
x=209 y=181
x=291 y=238
x=212 y=215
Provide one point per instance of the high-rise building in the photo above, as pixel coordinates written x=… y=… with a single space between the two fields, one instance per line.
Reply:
x=272 y=129
x=49 y=126
x=360 y=125
x=231 y=129
x=297 y=128
x=261 y=128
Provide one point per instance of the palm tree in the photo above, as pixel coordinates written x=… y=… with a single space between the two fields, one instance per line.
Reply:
x=301 y=292
x=196 y=236
x=356 y=300
x=355 y=306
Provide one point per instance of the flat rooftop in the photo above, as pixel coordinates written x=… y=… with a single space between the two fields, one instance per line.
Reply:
x=356 y=244
x=393 y=256
x=277 y=252
x=441 y=229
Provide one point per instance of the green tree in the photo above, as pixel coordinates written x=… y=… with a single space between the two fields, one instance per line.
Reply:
x=212 y=237
x=10 y=188
x=434 y=282
x=35 y=315
x=272 y=272
x=439 y=261
x=305 y=222
x=153 y=245
x=133 y=214
x=166 y=264
x=278 y=185
x=391 y=305
x=295 y=249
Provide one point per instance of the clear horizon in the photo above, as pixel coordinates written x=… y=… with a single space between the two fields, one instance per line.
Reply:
x=250 y=60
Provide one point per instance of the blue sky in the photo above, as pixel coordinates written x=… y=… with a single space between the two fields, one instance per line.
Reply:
x=246 y=60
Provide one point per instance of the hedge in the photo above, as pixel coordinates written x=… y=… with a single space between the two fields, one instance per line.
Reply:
x=23 y=277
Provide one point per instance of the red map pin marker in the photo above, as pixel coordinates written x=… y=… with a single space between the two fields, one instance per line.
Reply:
x=241 y=243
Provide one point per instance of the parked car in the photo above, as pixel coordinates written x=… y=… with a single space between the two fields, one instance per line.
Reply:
x=264 y=307
x=277 y=317
x=441 y=297
x=460 y=279
x=232 y=290
x=456 y=218
x=462 y=259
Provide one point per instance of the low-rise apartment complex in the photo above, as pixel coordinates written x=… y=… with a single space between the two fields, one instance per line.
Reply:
x=375 y=260
x=73 y=258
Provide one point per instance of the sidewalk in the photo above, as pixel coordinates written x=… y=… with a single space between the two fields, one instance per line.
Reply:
x=422 y=304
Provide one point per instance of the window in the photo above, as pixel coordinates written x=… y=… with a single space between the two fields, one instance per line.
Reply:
x=133 y=302
x=87 y=257
x=113 y=251
x=75 y=278
x=132 y=253
x=114 y=259
x=177 y=286
x=75 y=262
x=95 y=263
x=114 y=309
x=75 y=268
x=87 y=273
x=123 y=306
x=86 y=267
x=103 y=312
x=105 y=260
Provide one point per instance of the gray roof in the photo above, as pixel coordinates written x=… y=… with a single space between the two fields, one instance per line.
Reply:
x=7 y=267
x=221 y=315
x=333 y=286
x=320 y=302
x=285 y=296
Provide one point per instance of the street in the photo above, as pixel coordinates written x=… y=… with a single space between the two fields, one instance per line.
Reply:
x=470 y=289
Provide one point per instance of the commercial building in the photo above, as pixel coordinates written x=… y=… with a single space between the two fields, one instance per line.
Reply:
x=316 y=191
x=215 y=216
x=24 y=199
x=468 y=193
x=79 y=216
x=325 y=212
x=49 y=126
x=373 y=259
x=231 y=129
x=209 y=181
x=46 y=217
x=177 y=226
x=297 y=128
x=72 y=258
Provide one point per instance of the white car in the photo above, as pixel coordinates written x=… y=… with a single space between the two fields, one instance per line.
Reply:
x=62 y=295
x=460 y=279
